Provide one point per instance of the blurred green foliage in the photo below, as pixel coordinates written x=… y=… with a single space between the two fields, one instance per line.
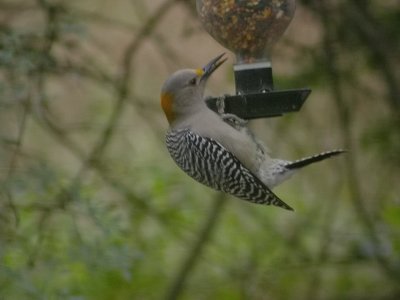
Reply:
x=92 y=207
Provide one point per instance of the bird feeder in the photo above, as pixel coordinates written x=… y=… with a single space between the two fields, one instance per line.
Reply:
x=250 y=29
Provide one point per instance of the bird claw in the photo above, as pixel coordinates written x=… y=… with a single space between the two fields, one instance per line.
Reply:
x=234 y=121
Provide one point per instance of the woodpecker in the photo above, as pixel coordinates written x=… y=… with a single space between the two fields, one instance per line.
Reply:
x=220 y=151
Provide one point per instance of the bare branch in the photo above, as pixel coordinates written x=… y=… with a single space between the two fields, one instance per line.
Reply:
x=195 y=251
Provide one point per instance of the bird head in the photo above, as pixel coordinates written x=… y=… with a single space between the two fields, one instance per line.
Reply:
x=183 y=91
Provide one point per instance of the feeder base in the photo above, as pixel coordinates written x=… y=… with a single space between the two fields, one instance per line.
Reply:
x=260 y=105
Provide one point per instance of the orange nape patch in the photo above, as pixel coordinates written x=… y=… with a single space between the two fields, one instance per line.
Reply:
x=166 y=104
x=199 y=72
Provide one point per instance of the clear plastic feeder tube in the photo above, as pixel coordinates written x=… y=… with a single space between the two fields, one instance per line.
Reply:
x=249 y=28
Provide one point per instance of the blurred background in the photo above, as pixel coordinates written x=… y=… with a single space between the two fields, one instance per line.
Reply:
x=93 y=207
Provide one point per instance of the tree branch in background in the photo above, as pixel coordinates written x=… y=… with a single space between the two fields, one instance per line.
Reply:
x=194 y=252
x=123 y=88
x=382 y=48
x=123 y=91
x=14 y=159
x=336 y=85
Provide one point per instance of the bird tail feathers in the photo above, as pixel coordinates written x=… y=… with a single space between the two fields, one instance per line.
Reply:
x=297 y=164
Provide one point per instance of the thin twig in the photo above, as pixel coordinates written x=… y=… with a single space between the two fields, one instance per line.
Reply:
x=123 y=88
x=14 y=159
x=101 y=19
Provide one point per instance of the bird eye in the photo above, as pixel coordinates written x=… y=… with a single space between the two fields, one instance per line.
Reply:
x=193 y=81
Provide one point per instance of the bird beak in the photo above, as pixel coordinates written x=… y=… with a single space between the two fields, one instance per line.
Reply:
x=209 y=68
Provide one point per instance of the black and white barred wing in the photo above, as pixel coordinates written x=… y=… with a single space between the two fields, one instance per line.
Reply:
x=208 y=162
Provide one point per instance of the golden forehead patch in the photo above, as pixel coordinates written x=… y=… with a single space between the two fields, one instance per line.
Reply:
x=199 y=72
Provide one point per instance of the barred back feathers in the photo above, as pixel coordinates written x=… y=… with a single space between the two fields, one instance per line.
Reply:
x=208 y=162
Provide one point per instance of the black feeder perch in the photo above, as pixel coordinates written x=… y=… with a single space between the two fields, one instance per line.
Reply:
x=250 y=29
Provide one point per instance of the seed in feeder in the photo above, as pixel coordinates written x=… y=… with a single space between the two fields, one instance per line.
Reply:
x=248 y=28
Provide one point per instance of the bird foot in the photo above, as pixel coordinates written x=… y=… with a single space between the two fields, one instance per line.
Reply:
x=234 y=121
